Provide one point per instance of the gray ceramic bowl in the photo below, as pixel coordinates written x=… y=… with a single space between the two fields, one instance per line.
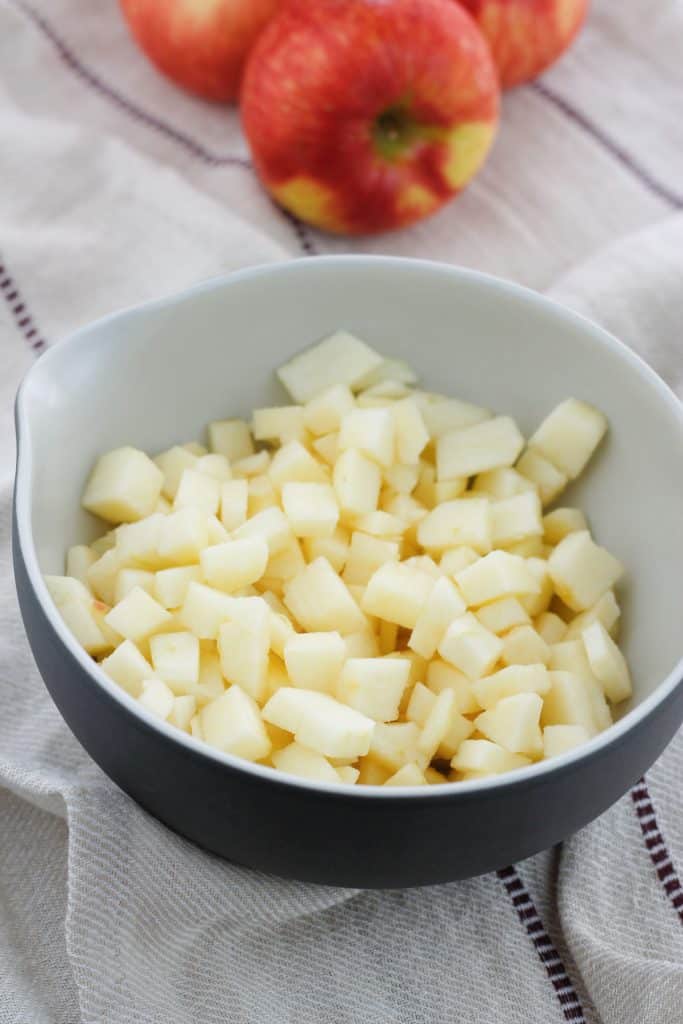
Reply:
x=155 y=375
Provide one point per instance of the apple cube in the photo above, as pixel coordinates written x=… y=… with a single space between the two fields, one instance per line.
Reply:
x=79 y=558
x=365 y=556
x=214 y=465
x=286 y=564
x=374 y=686
x=450 y=414
x=530 y=547
x=127 y=667
x=294 y=463
x=508 y=682
x=582 y=571
x=363 y=644
x=562 y=521
x=282 y=424
x=425 y=563
x=252 y=465
x=524 y=646
x=607 y=662
x=320 y=722
x=173 y=464
x=570 y=656
x=496 y=575
x=215 y=531
x=204 y=610
x=182 y=536
x=67 y=588
x=513 y=723
x=403 y=506
x=314 y=660
x=479 y=758
x=306 y=764
x=455 y=559
x=137 y=544
x=469 y=647
x=196 y=728
x=157 y=698
x=123 y=487
x=550 y=627
x=262 y=495
x=419 y=706
x=320 y=601
x=372 y=773
x=234 y=500
x=137 y=616
x=211 y=683
x=335 y=548
x=394 y=744
x=568 y=702
x=102 y=576
x=356 y=482
x=605 y=610
x=310 y=508
x=397 y=593
x=380 y=524
x=558 y=739
x=183 y=711
x=476 y=449
x=502 y=483
x=339 y=359
x=281 y=629
x=232 y=723
x=410 y=432
x=457 y=522
x=516 y=518
x=370 y=431
x=271 y=525
x=231 y=438
x=539 y=601
x=440 y=676
x=327 y=447
x=79 y=617
x=408 y=775
x=548 y=479
x=569 y=435
x=459 y=729
x=234 y=564
x=503 y=614
x=127 y=579
x=170 y=585
x=443 y=605
x=198 y=490
x=175 y=657
x=104 y=543
x=437 y=723
x=244 y=643
x=402 y=479
x=324 y=413
x=393 y=370
x=195 y=448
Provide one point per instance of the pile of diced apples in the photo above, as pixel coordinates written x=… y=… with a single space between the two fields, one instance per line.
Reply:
x=362 y=587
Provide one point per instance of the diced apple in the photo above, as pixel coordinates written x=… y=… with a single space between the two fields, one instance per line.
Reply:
x=411 y=434
x=524 y=646
x=252 y=465
x=539 y=601
x=271 y=525
x=481 y=758
x=286 y=564
x=232 y=724
x=516 y=518
x=513 y=723
x=67 y=588
x=215 y=531
x=457 y=522
x=374 y=686
x=403 y=506
x=356 y=482
x=502 y=614
x=570 y=656
x=562 y=521
x=450 y=414
x=441 y=676
x=363 y=644
x=195 y=448
x=496 y=575
x=324 y=413
x=502 y=483
x=306 y=764
x=234 y=564
x=476 y=449
x=320 y=601
x=558 y=739
x=397 y=593
x=102 y=576
x=365 y=556
x=401 y=479
x=198 y=490
x=127 y=667
x=163 y=506
x=137 y=616
x=370 y=431
x=408 y=775
x=508 y=682
x=137 y=544
x=394 y=744
x=315 y=660
x=79 y=558
x=196 y=728
x=104 y=543
x=550 y=627
x=127 y=579
x=157 y=698
x=419 y=706
x=582 y=571
x=79 y=617
x=320 y=722
x=182 y=535
x=607 y=662
x=335 y=548
x=244 y=643
x=443 y=605
x=530 y=547
x=231 y=438
x=175 y=657
x=214 y=465
x=327 y=447
x=293 y=462
x=372 y=773
x=568 y=702
x=311 y=509
x=455 y=559
x=569 y=435
x=380 y=524
x=234 y=502
x=183 y=711
x=124 y=486
x=204 y=610
x=173 y=464
x=170 y=585
x=282 y=424
x=548 y=479
x=339 y=359
x=387 y=370
x=469 y=647
x=605 y=610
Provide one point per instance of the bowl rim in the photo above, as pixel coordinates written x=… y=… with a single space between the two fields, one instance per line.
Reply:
x=22 y=511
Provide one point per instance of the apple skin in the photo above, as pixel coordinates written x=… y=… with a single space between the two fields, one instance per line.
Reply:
x=201 y=45
x=366 y=115
x=526 y=36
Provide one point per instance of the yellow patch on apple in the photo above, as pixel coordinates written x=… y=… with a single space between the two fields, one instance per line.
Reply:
x=467 y=145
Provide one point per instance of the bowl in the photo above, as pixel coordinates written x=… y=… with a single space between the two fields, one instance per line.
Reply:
x=155 y=375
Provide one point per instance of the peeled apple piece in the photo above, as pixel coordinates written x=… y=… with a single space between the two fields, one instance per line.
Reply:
x=339 y=359
x=320 y=722
x=569 y=435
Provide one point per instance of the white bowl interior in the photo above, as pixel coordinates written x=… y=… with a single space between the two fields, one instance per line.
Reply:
x=155 y=376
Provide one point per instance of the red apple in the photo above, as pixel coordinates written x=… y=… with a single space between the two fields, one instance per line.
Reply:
x=365 y=115
x=526 y=36
x=201 y=44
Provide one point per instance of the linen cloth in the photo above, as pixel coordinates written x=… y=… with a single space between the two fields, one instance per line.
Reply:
x=115 y=188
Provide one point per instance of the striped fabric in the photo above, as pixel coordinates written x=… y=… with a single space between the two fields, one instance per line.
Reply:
x=115 y=188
